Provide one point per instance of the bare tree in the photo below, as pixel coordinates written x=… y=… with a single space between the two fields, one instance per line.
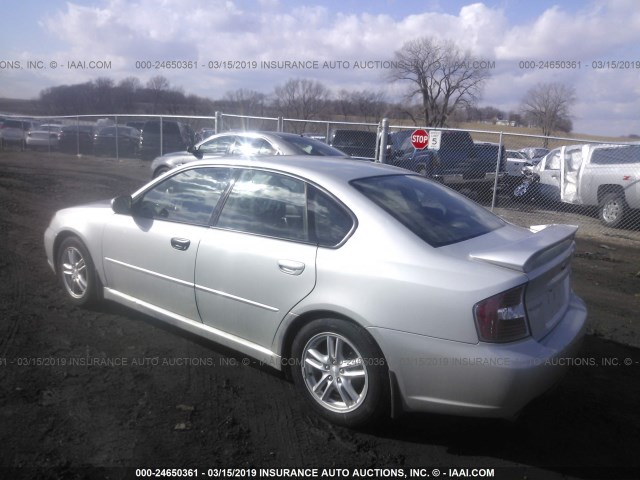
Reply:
x=301 y=99
x=126 y=93
x=364 y=104
x=548 y=105
x=158 y=86
x=246 y=102
x=443 y=77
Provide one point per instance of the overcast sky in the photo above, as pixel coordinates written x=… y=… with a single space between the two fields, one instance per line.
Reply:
x=508 y=32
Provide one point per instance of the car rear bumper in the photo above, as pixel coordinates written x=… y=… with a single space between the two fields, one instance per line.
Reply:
x=483 y=380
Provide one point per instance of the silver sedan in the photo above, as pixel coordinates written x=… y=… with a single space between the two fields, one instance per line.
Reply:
x=245 y=143
x=376 y=289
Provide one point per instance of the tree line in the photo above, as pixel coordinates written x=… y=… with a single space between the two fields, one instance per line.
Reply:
x=443 y=87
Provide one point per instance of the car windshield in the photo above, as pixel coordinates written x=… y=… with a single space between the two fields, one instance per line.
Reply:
x=309 y=146
x=436 y=214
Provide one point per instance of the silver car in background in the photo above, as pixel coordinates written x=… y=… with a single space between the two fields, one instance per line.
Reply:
x=378 y=290
x=246 y=143
x=44 y=136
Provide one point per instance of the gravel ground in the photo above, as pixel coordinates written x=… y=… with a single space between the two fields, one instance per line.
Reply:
x=176 y=401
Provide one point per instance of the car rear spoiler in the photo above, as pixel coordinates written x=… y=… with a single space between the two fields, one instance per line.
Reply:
x=545 y=242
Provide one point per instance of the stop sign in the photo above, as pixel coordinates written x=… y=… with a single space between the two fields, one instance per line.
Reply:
x=419 y=139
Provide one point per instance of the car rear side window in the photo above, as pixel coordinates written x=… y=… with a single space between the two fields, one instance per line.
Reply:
x=329 y=222
x=266 y=203
x=275 y=205
x=436 y=214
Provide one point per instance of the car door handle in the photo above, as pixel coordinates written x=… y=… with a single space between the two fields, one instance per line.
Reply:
x=180 y=243
x=291 y=267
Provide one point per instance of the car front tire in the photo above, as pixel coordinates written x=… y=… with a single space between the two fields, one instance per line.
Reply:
x=76 y=272
x=341 y=372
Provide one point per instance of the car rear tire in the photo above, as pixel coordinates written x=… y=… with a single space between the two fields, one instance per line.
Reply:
x=613 y=210
x=341 y=372
x=76 y=272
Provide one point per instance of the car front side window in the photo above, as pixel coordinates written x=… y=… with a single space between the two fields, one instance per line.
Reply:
x=218 y=145
x=190 y=196
x=553 y=161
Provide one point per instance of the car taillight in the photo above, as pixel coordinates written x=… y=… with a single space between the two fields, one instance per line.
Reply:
x=502 y=318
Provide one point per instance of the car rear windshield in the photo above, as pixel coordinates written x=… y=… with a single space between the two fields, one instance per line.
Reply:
x=616 y=155
x=435 y=213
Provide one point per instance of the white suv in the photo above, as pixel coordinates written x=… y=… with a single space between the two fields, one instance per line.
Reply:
x=14 y=132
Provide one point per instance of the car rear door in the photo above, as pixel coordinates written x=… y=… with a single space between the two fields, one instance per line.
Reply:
x=259 y=260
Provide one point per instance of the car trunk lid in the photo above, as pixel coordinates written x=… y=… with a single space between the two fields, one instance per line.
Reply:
x=545 y=257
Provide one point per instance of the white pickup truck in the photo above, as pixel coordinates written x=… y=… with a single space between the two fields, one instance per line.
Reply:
x=602 y=175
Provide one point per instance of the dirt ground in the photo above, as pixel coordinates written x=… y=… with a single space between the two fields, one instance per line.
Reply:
x=99 y=393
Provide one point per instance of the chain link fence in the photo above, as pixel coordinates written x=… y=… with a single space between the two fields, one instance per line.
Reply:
x=526 y=179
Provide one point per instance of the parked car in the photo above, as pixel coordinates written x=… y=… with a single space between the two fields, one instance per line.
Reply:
x=598 y=175
x=137 y=124
x=43 y=136
x=459 y=162
x=176 y=136
x=76 y=139
x=204 y=133
x=246 y=143
x=374 y=287
x=534 y=154
x=120 y=140
x=516 y=161
x=14 y=132
x=357 y=143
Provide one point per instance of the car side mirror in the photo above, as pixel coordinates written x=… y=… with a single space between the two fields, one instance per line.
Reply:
x=121 y=205
x=193 y=150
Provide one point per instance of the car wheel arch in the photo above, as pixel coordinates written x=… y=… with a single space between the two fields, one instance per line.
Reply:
x=160 y=171
x=284 y=347
x=57 y=243
x=607 y=189
x=372 y=396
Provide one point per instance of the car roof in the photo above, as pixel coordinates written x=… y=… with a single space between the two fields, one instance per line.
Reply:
x=321 y=169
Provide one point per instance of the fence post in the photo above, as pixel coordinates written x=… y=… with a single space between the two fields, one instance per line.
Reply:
x=383 y=130
x=161 y=139
x=495 y=181
x=117 y=150
x=217 y=124
x=78 y=136
x=280 y=127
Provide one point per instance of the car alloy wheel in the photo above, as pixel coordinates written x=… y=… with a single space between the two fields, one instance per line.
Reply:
x=334 y=372
x=341 y=371
x=76 y=272
x=613 y=210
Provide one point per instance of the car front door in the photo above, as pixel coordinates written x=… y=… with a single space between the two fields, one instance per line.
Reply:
x=150 y=255
x=571 y=166
x=259 y=259
x=550 y=175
